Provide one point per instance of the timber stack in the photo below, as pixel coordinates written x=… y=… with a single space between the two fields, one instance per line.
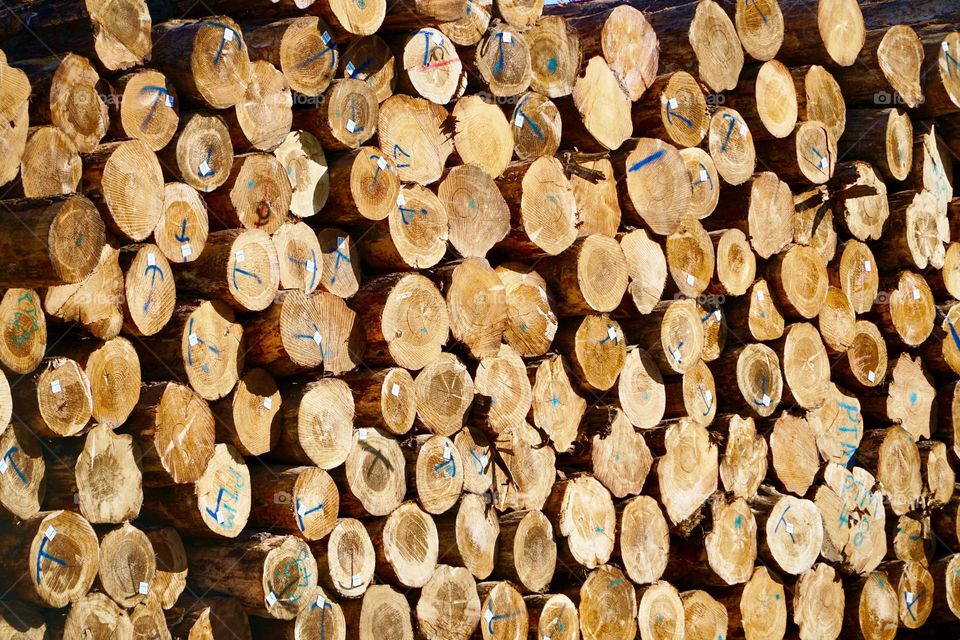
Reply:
x=450 y=319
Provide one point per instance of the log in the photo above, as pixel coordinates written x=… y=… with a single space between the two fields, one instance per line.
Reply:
x=833 y=33
x=675 y=108
x=581 y=510
x=181 y=231
x=363 y=186
x=104 y=480
x=866 y=361
x=475 y=529
x=658 y=187
x=316 y=423
x=647 y=268
x=838 y=425
x=524 y=476
x=914 y=586
x=806 y=366
x=94 y=613
x=16 y=89
x=596 y=348
x=743 y=465
x=909 y=316
x=149 y=108
x=608 y=605
x=478 y=215
x=444 y=392
x=894 y=456
x=759 y=312
x=478 y=472
x=174 y=429
x=216 y=67
x=370 y=59
x=373 y=478
x=384 y=398
x=684 y=487
x=23 y=346
x=170 y=559
x=736 y=262
x=537 y=126
x=199 y=346
x=555 y=55
x=150 y=301
x=345 y=563
x=58 y=403
x=794 y=456
x=482 y=135
x=430 y=66
x=50 y=164
x=56 y=551
x=449 y=606
x=749 y=380
x=407 y=546
x=303 y=48
x=218 y=504
x=527 y=552
x=148 y=619
x=262 y=116
x=55 y=241
x=640 y=390
x=270 y=577
x=412 y=131
x=22 y=472
x=818 y=603
x=300 y=501
x=871 y=609
x=302 y=156
x=504 y=610
x=126 y=178
x=299 y=256
x=690 y=258
x=414 y=236
x=643 y=543
x=127 y=565
x=883 y=138
x=200 y=151
x=256 y=195
x=95 y=303
x=792 y=542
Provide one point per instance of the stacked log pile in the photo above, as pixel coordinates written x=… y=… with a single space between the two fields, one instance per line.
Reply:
x=449 y=319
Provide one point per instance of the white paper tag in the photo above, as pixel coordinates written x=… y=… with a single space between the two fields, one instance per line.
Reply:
x=50 y=533
x=144 y=588
x=193 y=340
x=325 y=36
x=677 y=356
x=507 y=37
x=759 y=295
x=55 y=386
x=867 y=266
x=404 y=295
x=690 y=279
x=204 y=169
x=438 y=37
x=789 y=527
x=395 y=389
x=916 y=294
x=302 y=510
x=350 y=69
x=703 y=175
x=488 y=615
x=909 y=596
x=483 y=461
x=317 y=337
x=708 y=396
x=717 y=315
x=447 y=454
x=228 y=35
x=356 y=580
x=361 y=434
x=239 y=256
x=271 y=599
x=401 y=200
x=672 y=103
x=310 y=266
x=871 y=376
x=611 y=333
x=3 y=465
x=351 y=125
x=765 y=400
x=945 y=46
x=518 y=121
x=381 y=163
x=743 y=130
x=823 y=163
x=151 y=259
x=220 y=518
x=547 y=638
x=268 y=403
x=169 y=100
x=321 y=602
x=186 y=251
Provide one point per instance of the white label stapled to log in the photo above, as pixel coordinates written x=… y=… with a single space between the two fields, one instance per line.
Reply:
x=677 y=356
x=871 y=376
x=228 y=34
x=447 y=454
x=220 y=518
x=547 y=638
x=50 y=533
x=169 y=101
x=690 y=279
x=204 y=169
x=717 y=315
x=356 y=580
x=239 y=256
x=381 y=163
x=401 y=200
x=703 y=175
x=759 y=295
x=186 y=250
x=317 y=337
x=321 y=602
x=708 y=396
x=3 y=466
x=310 y=266
x=789 y=527
x=488 y=615
x=765 y=400
x=611 y=333
x=867 y=266
x=551 y=330
x=325 y=36
x=302 y=510
x=351 y=125
x=916 y=294
x=404 y=295
x=361 y=434
x=945 y=46
x=268 y=403
x=672 y=103
x=518 y=121
x=438 y=37
x=271 y=599
x=151 y=259
x=144 y=588
x=743 y=129
x=507 y=37
x=822 y=163
x=395 y=389
x=193 y=340
x=350 y=69
x=910 y=597
x=55 y=386
x=484 y=461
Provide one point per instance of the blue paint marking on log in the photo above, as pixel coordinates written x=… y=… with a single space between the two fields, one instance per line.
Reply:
x=653 y=157
x=8 y=457
x=42 y=553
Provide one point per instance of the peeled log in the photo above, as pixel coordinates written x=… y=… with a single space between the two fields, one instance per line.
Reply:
x=685 y=485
